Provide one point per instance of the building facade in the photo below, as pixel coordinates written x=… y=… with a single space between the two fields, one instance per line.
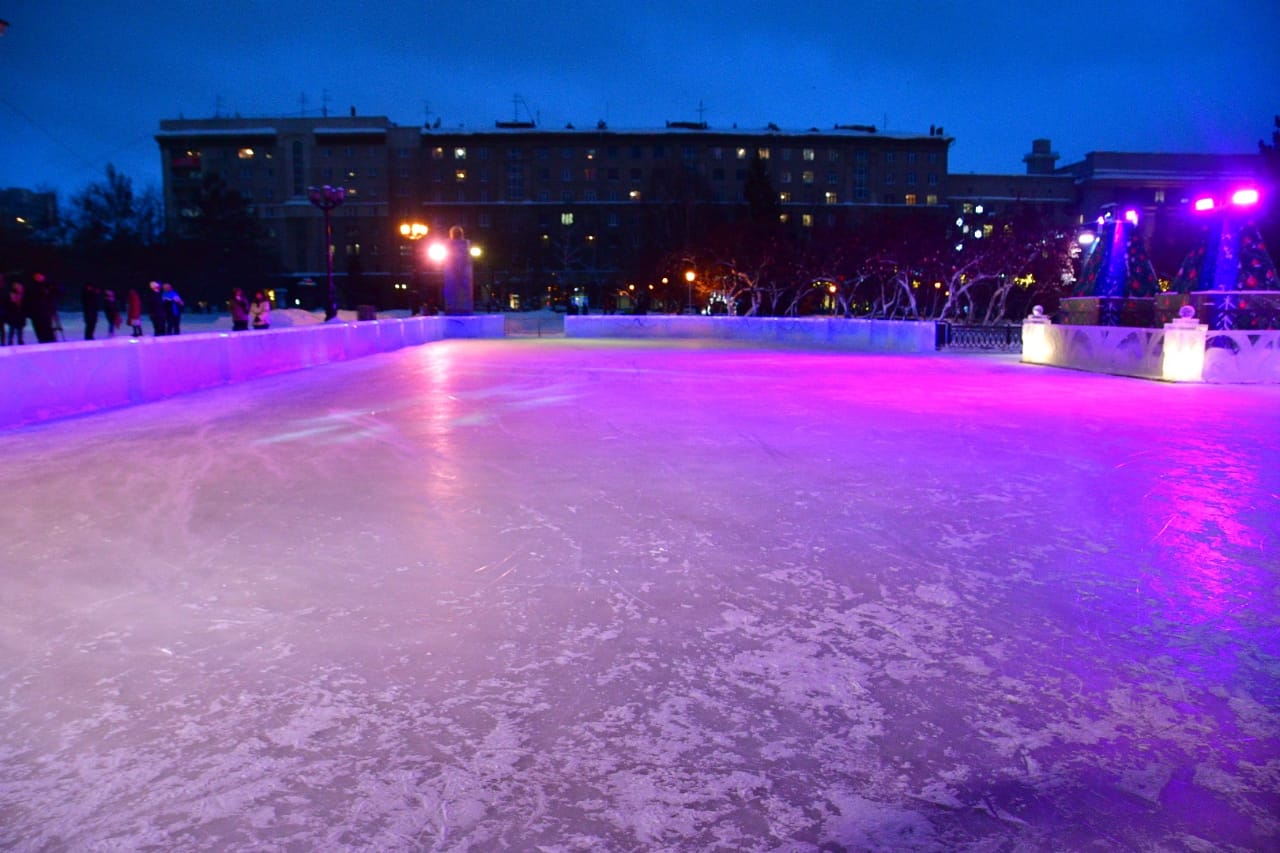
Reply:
x=550 y=209
x=585 y=210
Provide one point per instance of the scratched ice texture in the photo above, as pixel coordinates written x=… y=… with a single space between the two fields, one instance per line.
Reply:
x=569 y=595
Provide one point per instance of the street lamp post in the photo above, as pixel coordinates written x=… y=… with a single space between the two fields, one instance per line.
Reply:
x=413 y=232
x=690 y=276
x=327 y=198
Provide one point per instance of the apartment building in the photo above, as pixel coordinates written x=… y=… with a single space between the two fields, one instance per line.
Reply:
x=549 y=207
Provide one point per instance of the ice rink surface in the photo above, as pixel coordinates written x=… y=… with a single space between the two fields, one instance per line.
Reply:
x=572 y=595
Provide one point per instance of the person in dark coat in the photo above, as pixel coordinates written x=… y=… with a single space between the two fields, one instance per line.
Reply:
x=90 y=302
x=40 y=304
x=12 y=313
x=111 y=310
x=239 y=306
x=156 y=308
x=12 y=316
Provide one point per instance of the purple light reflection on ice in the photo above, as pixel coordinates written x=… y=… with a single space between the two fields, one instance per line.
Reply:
x=1196 y=513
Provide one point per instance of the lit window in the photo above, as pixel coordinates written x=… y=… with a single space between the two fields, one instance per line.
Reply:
x=460 y=175
x=566 y=219
x=1159 y=196
x=806 y=177
x=634 y=195
x=808 y=154
x=831 y=198
x=911 y=198
x=762 y=153
x=245 y=153
x=437 y=153
x=459 y=153
x=931 y=199
x=785 y=198
x=806 y=220
x=591 y=153
x=742 y=153
x=784 y=218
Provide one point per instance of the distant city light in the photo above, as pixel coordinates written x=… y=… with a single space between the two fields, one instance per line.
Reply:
x=1245 y=197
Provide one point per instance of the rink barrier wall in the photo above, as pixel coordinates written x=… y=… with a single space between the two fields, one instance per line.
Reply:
x=1174 y=353
x=44 y=382
x=856 y=335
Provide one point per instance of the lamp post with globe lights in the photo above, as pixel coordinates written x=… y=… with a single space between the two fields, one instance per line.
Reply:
x=327 y=198
x=413 y=232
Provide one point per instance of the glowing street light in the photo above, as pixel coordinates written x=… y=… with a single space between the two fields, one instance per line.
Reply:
x=1244 y=197
x=690 y=276
x=413 y=230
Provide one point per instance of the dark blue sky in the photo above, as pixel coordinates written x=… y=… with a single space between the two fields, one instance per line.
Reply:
x=84 y=84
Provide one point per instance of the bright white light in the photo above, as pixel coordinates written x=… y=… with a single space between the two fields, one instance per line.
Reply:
x=1203 y=204
x=1245 y=197
x=1086 y=238
x=977 y=233
x=1131 y=216
x=978 y=209
x=1037 y=347
x=437 y=252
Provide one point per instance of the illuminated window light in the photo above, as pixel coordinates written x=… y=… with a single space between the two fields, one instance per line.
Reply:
x=1245 y=197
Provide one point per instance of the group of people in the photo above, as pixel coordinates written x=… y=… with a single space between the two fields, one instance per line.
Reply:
x=244 y=312
x=38 y=302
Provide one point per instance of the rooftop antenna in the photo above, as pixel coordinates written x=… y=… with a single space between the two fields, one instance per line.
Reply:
x=516 y=103
x=702 y=112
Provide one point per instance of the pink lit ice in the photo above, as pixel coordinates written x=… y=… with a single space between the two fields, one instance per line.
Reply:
x=553 y=594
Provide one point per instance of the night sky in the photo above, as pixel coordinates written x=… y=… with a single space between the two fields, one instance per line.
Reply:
x=86 y=84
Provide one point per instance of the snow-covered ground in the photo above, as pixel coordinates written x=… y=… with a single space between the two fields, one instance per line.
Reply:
x=588 y=595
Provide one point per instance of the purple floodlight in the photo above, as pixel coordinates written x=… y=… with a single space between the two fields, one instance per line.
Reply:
x=1203 y=204
x=1244 y=197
